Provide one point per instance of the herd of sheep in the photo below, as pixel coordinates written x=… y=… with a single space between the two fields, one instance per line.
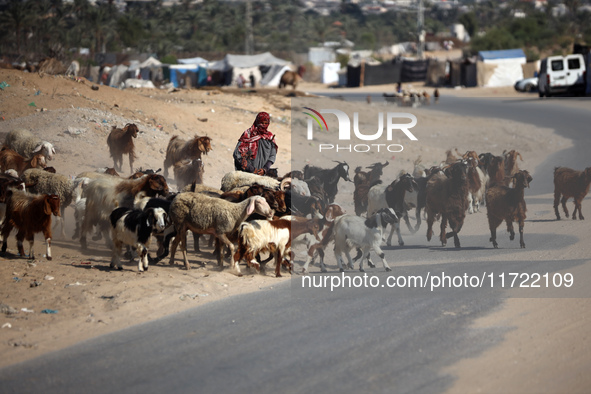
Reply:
x=252 y=215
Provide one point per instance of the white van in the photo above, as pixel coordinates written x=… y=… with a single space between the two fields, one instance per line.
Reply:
x=562 y=74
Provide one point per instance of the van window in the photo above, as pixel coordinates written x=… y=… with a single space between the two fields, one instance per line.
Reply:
x=557 y=65
x=574 y=64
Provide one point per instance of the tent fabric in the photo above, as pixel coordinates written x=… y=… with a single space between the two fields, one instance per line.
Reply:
x=245 y=71
x=414 y=70
x=273 y=76
x=436 y=73
x=529 y=69
x=381 y=74
x=138 y=83
x=330 y=72
x=193 y=60
x=501 y=54
x=117 y=75
x=151 y=62
x=246 y=61
x=485 y=72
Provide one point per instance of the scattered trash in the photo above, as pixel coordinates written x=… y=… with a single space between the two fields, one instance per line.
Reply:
x=95 y=87
x=85 y=263
x=35 y=284
x=32 y=104
x=75 y=131
x=27 y=310
x=49 y=311
x=7 y=325
x=7 y=309
x=107 y=297
x=104 y=120
x=48 y=277
x=37 y=93
x=16 y=279
x=4 y=85
x=191 y=296
x=202 y=119
x=212 y=110
x=75 y=284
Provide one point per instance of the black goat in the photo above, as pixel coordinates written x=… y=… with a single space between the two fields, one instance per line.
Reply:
x=329 y=177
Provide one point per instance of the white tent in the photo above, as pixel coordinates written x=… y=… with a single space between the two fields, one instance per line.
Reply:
x=330 y=72
x=193 y=60
x=246 y=61
x=273 y=76
x=150 y=62
x=508 y=68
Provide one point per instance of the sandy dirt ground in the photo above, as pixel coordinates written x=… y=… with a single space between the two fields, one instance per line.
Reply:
x=92 y=300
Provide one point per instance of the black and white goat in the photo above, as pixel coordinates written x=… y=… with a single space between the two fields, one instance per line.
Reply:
x=365 y=234
x=134 y=227
x=329 y=177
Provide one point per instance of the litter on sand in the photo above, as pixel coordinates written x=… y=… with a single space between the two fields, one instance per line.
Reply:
x=49 y=311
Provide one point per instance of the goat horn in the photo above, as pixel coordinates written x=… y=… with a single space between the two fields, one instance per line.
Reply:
x=285 y=183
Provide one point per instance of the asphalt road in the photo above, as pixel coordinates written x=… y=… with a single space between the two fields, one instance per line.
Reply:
x=287 y=339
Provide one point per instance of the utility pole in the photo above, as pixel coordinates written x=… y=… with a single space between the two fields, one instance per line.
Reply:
x=249 y=41
x=420 y=30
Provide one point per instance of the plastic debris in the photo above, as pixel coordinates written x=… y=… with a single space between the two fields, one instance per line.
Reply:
x=16 y=279
x=32 y=104
x=49 y=311
x=37 y=93
x=7 y=325
x=48 y=277
x=35 y=284
x=4 y=85
x=75 y=284
x=7 y=309
x=27 y=310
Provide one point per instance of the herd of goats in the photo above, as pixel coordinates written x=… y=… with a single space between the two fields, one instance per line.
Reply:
x=252 y=214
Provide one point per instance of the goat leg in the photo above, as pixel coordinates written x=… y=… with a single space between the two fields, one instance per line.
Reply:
x=578 y=207
x=521 y=241
x=47 y=236
x=563 y=201
x=442 y=235
x=382 y=256
x=510 y=229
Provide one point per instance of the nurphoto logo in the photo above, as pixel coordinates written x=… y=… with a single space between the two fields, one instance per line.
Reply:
x=344 y=126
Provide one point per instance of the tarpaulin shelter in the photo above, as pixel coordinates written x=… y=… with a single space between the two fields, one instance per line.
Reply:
x=234 y=65
x=501 y=68
x=187 y=75
x=273 y=75
x=117 y=75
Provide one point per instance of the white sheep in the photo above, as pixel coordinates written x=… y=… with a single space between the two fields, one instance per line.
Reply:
x=27 y=144
x=235 y=179
x=211 y=215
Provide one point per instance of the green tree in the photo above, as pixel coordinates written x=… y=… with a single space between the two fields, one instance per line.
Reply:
x=470 y=22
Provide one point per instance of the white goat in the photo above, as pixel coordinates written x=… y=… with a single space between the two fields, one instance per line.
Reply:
x=356 y=232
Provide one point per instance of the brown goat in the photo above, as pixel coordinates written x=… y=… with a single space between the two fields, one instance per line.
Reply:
x=448 y=197
x=571 y=183
x=11 y=160
x=120 y=143
x=30 y=214
x=511 y=166
x=450 y=158
x=179 y=149
x=508 y=204
x=187 y=172
x=363 y=182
